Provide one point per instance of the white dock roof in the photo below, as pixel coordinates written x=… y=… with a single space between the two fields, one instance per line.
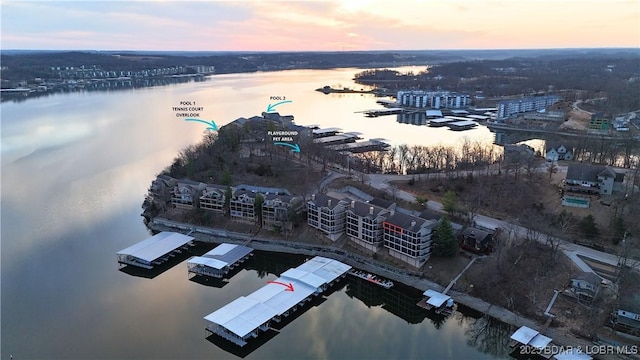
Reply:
x=242 y=315
x=524 y=335
x=435 y=298
x=462 y=123
x=247 y=313
x=210 y=262
x=156 y=246
x=572 y=354
x=222 y=255
x=540 y=341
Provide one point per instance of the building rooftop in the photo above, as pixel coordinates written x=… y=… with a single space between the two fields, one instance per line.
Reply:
x=323 y=200
x=587 y=172
x=588 y=276
x=408 y=222
x=387 y=204
x=366 y=210
x=263 y=190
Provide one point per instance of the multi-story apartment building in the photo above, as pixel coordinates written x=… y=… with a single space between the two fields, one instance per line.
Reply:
x=276 y=210
x=408 y=238
x=327 y=214
x=364 y=225
x=508 y=108
x=161 y=191
x=213 y=198
x=186 y=194
x=242 y=206
x=433 y=99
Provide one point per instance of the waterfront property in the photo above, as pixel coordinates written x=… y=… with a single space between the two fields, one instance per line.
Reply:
x=247 y=316
x=432 y=99
x=592 y=179
x=161 y=191
x=585 y=285
x=219 y=261
x=327 y=214
x=242 y=206
x=155 y=250
x=408 y=238
x=186 y=194
x=364 y=225
x=213 y=198
x=509 y=108
x=276 y=210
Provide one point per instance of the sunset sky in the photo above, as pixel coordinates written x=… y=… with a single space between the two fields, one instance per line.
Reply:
x=319 y=25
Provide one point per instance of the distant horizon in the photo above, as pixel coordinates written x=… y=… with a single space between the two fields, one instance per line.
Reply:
x=321 y=51
x=319 y=26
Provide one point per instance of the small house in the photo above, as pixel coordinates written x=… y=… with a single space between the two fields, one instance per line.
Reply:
x=586 y=285
x=556 y=152
x=476 y=241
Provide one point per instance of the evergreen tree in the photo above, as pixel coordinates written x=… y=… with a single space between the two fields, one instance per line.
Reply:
x=258 y=207
x=444 y=240
x=588 y=227
x=228 y=193
x=449 y=202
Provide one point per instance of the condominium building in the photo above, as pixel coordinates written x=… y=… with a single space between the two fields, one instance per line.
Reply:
x=242 y=206
x=276 y=210
x=364 y=224
x=432 y=99
x=408 y=238
x=161 y=191
x=213 y=198
x=186 y=194
x=508 y=108
x=327 y=214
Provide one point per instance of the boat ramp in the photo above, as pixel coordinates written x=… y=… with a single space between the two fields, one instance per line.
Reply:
x=218 y=262
x=155 y=250
x=248 y=316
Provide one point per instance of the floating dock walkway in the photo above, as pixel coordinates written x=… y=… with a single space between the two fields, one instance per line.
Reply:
x=247 y=316
x=219 y=261
x=155 y=250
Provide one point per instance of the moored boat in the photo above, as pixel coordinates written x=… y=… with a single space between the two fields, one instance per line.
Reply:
x=387 y=284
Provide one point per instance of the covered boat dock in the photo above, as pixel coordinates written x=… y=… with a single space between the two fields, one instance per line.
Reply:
x=436 y=300
x=155 y=250
x=247 y=316
x=462 y=125
x=362 y=146
x=530 y=337
x=440 y=122
x=219 y=261
x=336 y=139
x=319 y=133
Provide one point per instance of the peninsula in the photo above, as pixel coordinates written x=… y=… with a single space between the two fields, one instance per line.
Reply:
x=316 y=202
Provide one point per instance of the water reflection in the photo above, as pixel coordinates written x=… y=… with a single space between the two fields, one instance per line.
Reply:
x=490 y=336
x=75 y=168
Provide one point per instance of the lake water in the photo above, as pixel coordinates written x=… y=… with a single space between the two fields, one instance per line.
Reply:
x=75 y=168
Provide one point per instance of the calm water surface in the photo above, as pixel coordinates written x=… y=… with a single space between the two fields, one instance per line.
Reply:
x=75 y=168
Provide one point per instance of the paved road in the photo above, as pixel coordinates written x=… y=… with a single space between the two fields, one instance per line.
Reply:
x=572 y=250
